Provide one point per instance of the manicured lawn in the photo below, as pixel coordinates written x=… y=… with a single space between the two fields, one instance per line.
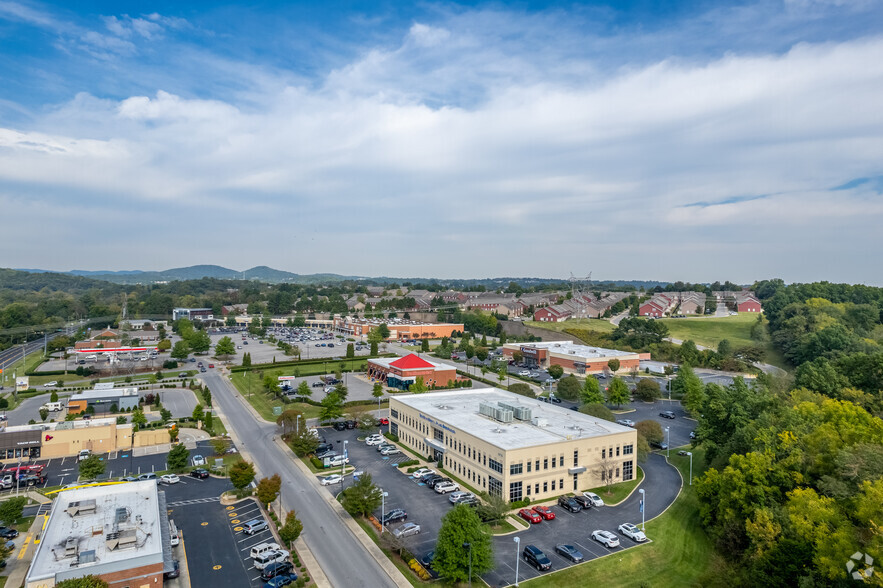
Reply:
x=599 y=325
x=500 y=527
x=613 y=495
x=679 y=555
x=24 y=524
x=252 y=389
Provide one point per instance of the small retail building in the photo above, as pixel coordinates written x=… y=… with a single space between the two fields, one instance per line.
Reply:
x=512 y=446
x=119 y=533
x=47 y=440
x=401 y=372
x=102 y=400
x=398 y=328
x=578 y=359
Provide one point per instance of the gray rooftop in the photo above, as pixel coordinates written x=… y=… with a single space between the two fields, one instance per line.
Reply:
x=105 y=393
x=571 y=348
x=460 y=411
x=100 y=530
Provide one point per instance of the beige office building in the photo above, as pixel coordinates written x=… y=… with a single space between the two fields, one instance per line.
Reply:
x=514 y=446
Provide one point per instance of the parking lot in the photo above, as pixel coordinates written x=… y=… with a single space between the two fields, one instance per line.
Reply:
x=426 y=508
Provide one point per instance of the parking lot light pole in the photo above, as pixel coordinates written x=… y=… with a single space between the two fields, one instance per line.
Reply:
x=517 y=557
x=343 y=465
x=383 y=496
x=690 y=453
x=643 y=506
x=667 y=442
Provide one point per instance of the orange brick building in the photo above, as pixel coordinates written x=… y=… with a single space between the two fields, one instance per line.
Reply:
x=399 y=329
x=401 y=372
x=577 y=359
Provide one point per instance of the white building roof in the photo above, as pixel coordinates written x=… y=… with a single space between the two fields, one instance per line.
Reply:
x=105 y=393
x=459 y=410
x=84 y=524
x=570 y=348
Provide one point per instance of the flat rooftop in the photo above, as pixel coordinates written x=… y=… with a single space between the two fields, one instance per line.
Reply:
x=65 y=425
x=571 y=348
x=100 y=529
x=459 y=410
x=105 y=393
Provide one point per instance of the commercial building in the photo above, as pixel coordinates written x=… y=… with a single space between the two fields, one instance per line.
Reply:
x=398 y=328
x=401 y=372
x=512 y=446
x=579 y=359
x=47 y=440
x=103 y=400
x=194 y=314
x=119 y=533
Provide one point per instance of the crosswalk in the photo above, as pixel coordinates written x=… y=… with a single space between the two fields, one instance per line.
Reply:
x=194 y=501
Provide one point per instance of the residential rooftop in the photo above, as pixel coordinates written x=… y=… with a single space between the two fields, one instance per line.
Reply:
x=547 y=424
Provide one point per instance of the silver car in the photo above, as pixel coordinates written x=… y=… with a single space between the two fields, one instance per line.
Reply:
x=406 y=530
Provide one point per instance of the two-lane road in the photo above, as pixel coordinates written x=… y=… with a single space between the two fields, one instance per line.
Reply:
x=339 y=553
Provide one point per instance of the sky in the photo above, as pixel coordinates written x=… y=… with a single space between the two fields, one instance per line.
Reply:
x=679 y=140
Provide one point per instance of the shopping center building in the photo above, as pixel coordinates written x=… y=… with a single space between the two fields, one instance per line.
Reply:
x=513 y=446
x=401 y=372
x=399 y=329
x=574 y=358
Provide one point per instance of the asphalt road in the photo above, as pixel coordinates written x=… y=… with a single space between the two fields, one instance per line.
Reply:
x=338 y=552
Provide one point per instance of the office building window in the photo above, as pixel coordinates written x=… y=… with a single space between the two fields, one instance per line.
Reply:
x=603 y=454
x=514 y=491
x=496 y=466
x=627 y=473
x=575 y=482
x=538 y=465
x=617 y=472
x=575 y=457
x=553 y=485
x=494 y=486
x=528 y=466
x=394 y=413
x=553 y=463
x=394 y=428
x=561 y=483
x=617 y=451
x=438 y=434
x=545 y=463
x=515 y=469
x=536 y=488
x=545 y=486
x=528 y=489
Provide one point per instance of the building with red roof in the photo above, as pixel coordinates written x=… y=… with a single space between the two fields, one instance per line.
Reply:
x=401 y=372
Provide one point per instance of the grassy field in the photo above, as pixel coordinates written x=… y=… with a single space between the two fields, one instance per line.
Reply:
x=613 y=495
x=679 y=555
x=599 y=325
x=252 y=389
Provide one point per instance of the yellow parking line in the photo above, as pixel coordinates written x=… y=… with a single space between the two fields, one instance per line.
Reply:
x=24 y=546
x=184 y=548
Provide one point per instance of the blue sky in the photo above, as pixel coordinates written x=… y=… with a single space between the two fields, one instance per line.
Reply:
x=658 y=140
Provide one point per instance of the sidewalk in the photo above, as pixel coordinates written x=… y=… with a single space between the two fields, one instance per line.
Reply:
x=20 y=559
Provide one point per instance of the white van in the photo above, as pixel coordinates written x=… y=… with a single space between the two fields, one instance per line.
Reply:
x=84 y=453
x=52 y=406
x=174 y=539
x=269 y=557
x=257 y=550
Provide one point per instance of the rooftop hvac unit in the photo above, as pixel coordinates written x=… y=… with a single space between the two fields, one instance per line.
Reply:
x=500 y=414
x=540 y=422
x=522 y=413
x=71 y=547
x=81 y=507
x=121 y=540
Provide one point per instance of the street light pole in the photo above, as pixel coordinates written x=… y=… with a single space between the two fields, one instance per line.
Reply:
x=517 y=557
x=690 y=453
x=297 y=426
x=643 y=498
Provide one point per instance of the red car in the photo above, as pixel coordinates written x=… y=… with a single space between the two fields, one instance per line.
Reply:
x=383 y=421
x=211 y=365
x=544 y=512
x=530 y=516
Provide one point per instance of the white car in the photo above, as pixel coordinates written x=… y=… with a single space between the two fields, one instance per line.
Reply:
x=51 y=384
x=632 y=532
x=170 y=479
x=422 y=472
x=594 y=498
x=626 y=422
x=269 y=557
x=606 y=538
x=338 y=460
x=446 y=487
x=374 y=440
x=457 y=496
x=389 y=451
x=524 y=373
x=332 y=479
x=198 y=460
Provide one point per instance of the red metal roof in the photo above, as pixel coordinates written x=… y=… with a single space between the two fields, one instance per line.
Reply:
x=411 y=362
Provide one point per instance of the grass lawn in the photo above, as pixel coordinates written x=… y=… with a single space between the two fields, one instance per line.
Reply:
x=613 y=495
x=24 y=524
x=679 y=555
x=252 y=389
x=394 y=558
x=500 y=527
x=599 y=325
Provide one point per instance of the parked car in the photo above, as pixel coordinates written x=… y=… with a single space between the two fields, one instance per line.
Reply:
x=394 y=516
x=667 y=414
x=455 y=497
x=569 y=552
x=535 y=557
x=254 y=526
x=374 y=440
x=281 y=580
x=276 y=569
x=198 y=460
x=270 y=557
x=569 y=503
x=332 y=479
x=391 y=450
x=318 y=384
x=445 y=487
x=174 y=572
x=351 y=424
x=584 y=501
x=606 y=538
x=8 y=533
x=430 y=479
x=148 y=476
x=524 y=373
x=406 y=530
x=339 y=426
x=530 y=516
x=632 y=532
x=436 y=481
x=422 y=472
x=338 y=461
x=170 y=479
x=470 y=500
x=544 y=511
x=692 y=434
x=200 y=473
x=596 y=500
x=263 y=548
x=211 y=365
x=426 y=561
x=626 y=422
x=381 y=421
x=659 y=445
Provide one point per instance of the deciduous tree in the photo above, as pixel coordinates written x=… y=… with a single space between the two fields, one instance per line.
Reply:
x=241 y=474
x=462 y=527
x=178 y=457
x=362 y=498
x=618 y=392
x=268 y=489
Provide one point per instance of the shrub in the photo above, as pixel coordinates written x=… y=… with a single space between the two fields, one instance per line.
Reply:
x=392 y=437
x=406 y=463
x=316 y=463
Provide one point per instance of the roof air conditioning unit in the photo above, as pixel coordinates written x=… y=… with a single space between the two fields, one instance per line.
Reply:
x=81 y=507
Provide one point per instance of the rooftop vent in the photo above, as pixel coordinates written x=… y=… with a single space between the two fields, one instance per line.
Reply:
x=500 y=414
x=121 y=540
x=81 y=507
x=540 y=422
x=71 y=547
x=122 y=515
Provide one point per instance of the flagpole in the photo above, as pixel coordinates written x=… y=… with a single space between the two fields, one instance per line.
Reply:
x=641 y=490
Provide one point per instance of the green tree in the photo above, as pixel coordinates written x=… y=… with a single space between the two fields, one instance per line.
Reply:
x=377 y=391
x=725 y=348
x=522 y=390
x=462 y=526
x=89 y=581
x=556 y=371
x=383 y=331
x=225 y=347
x=362 y=498
x=591 y=392
x=418 y=387
x=289 y=420
x=350 y=351
x=178 y=457
x=341 y=391
x=373 y=348
x=618 y=392
x=198 y=413
x=424 y=345
x=481 y=353
x=173 y=434
x=331 y=408
x=569 y=388
x=138 y=418
x=596 y=409
x=614 y=365
x=691 y=389
x=650 y=430
x=241 y=474
x=180 y=350
x=91 y=468
x=303 y=442
x=268 y=489
x=53 y=397
x=246 y=359
x=12 y=509
x=689 y=353
x=470 y=351
x=44 y=412
x=648 y=390
x=304 y=390
x=643 y=448
x=199 y=341
x=291 y=530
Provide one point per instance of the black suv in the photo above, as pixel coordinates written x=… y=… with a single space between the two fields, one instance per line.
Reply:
x=276 y=569
x=351 y=424
x=395 y=516
x=437 y=481
x=535 y=557
x=667 y=414
x=569 y=503
x=199 y=473
x=339 y=426
x=8 y=533
x=583 y=501
x=430 y=478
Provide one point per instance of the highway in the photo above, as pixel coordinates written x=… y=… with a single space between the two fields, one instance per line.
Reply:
x=339 y=553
